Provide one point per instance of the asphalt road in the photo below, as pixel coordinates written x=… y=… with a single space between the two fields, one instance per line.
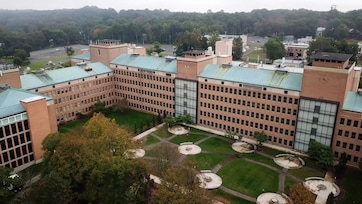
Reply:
x=54 y=52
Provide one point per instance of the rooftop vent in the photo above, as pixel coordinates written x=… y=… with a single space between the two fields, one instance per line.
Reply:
x=88 y=69
x=3 y=87
x=226 y=65
x=38 y=72
x=170 y=58
x=278 y=71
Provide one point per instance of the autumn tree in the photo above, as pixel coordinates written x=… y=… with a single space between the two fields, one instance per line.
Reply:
x=274 y=49
x=300 y=195
x=237 y=48
x=90 y=165
x=165 y=157
x=180 y=185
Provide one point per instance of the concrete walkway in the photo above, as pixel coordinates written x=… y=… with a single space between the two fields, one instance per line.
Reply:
x=282 y=173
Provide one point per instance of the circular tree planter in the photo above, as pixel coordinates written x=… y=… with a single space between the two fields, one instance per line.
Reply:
x=179 y=130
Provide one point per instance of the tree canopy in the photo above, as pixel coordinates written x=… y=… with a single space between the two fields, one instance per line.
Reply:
x=321 y=153
x=274 y=49
x=237 y=48
x=90 y=165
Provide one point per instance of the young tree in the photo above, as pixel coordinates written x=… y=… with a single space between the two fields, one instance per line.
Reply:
x=321 y=153
x=98 y=107
x=274 y=49
x=213 y=39
x=69 y=51
x=157 y=47
x=170 y=120
x=261 y=137
x=237 y=48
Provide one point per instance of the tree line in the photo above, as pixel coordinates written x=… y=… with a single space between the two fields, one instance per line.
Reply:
x=33 y=30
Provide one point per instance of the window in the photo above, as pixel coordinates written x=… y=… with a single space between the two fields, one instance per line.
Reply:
x=313 y=131
x=315 y=120
x=349 y=122
x=341 y=121
x=338 y=143
x=317 y=109
x=350 y=146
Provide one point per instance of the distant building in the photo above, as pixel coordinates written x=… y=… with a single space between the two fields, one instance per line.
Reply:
x=297 y=50
x=319 y=31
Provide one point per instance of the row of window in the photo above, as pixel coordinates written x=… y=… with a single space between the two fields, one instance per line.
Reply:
x=349 y=122
x=250 y=104
x=347 y=133
x=150 y=93
x=244 y=132
x=147 y=75
x=149 y=101
x=79 y=104
x=253 y=94
x=349 y=157
x=59 y=99
x=14 y=128
x=271 y=118
x=13 y=163
x=14 y=141
x=150 y=109
x=351 y=146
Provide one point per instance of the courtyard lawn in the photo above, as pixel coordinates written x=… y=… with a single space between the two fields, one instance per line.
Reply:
x=217 y=145
x=271 y=152
x=194 y=130
x=207 y=161
x=351 y=184
x=128 y=118
x=306 y=172
x=163 y=132
x=248 y=178
x=187 y=138
x=227 y=198
x=260 y=158
x=151 y=140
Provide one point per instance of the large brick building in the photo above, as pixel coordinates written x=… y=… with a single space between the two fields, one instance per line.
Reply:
x=293 y=106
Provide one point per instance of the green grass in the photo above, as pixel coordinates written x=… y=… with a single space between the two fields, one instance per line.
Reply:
x=271 y=152
x=151 y=140
x=187 y=138
x=306 y=172
x=288 y=183
x=222 y=196
x=207 y=161
x=262 y=159
x=194 y=130
x=217 y=145
x=42 y=63
x=128 y=118
x=163 y=132
x=6 y=60
x=351 y=184
x=248 y=178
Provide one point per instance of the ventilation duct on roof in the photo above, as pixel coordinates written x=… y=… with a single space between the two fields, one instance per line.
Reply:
x=226 y=65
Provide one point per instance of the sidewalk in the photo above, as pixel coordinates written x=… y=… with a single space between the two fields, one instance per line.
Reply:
x=250 y=140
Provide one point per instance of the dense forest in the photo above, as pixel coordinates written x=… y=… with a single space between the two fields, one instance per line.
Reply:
x=32 y=30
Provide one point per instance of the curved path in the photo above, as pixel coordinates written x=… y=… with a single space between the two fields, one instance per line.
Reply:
x=282 y=173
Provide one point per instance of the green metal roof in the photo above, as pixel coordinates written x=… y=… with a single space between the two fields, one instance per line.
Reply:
x=353 y=102
x=84 y=56
x=10 y=101
x=149 y=63
x=52 y=77
x=259 y=77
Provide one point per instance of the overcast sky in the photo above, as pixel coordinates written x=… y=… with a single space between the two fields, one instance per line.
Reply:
x=186 y=5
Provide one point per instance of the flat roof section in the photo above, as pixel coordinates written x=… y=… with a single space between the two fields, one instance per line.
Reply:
x=57 y=76
x=260 y=77
x=353 y=102
x=331 y=56
x=84 y=56
x=148 y=63
x=10 y=101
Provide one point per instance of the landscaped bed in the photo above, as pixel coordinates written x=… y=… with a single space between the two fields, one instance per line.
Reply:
x=248 y=178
